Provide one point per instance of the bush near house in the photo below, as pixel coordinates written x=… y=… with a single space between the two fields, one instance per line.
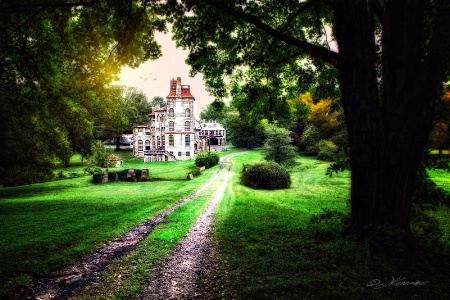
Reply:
x=206 y=159
x=268 y=175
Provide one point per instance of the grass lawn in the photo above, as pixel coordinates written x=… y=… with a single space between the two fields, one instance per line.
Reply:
x=49 y=225
x=269 y=249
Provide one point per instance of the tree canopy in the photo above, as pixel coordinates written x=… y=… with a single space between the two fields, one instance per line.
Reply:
x=56 y=58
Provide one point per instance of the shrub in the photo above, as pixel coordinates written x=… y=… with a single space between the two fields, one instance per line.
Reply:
x=74 y=175
x=61 y=175
x=269 y=175
x=326 y=150
x=437 y=162
x=206 y=159
x=196 y=172
x=93 y=170
x=97 y=178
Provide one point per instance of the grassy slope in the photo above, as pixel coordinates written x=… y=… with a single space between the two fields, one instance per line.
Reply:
x=266 y=242
x=49 y=225
x=269 y=250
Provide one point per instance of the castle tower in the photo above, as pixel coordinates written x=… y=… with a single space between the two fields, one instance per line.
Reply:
x=180 y=122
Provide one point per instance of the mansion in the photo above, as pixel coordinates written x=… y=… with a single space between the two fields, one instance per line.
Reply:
x=172 y=132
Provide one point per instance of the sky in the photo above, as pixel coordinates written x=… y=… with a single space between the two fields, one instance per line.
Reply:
x=153 y=77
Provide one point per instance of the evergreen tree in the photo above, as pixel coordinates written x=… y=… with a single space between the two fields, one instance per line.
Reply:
x=277 y=146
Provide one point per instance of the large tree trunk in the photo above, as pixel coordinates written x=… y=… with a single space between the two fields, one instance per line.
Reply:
x=388 y=119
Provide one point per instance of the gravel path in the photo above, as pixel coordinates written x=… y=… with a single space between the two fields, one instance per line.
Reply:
x=180 y=276
x=70 y=281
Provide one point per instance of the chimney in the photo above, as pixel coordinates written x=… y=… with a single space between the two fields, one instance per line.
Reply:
x=178 y=92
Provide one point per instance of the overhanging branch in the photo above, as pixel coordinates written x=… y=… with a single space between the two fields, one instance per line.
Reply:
x=328 y=56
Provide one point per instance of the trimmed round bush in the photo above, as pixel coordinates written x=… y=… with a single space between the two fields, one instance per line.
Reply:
x=268 y=176
x=206 y=159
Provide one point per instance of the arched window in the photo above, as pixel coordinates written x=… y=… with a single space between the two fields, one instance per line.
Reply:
x=187 y=140
x=171 y=142
x=171 y=126
x=162 y=118
x=158 y=141
x=140 y=145
x=171 y=112
x=147 y=145
x=188 y=113
x=187 y=126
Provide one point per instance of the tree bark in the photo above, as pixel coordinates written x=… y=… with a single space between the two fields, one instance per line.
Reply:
x=388 y=120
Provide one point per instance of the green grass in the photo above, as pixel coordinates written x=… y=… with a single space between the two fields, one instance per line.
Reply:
x=50 y=225
x=270 y=250
x=268 y=247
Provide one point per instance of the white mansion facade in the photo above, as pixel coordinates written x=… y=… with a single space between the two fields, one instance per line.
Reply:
x=172 y=132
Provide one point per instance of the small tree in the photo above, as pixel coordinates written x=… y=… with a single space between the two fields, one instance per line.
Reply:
x=100 y=153
x=278 y=148
x=310 y=137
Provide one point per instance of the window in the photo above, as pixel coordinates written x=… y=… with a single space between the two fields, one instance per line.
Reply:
x=188 y=153
x=171 y=140
x=187 y=140
x=147 y=132
x=171 y=112
x=171 y=126
x=179 y=153
x=187 y=126
x=140 y=145
x=158 y=141
x=147 y=145
x=187 y=113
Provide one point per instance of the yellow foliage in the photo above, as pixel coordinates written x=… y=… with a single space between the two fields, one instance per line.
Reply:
x=302 y=100
x=324 y=117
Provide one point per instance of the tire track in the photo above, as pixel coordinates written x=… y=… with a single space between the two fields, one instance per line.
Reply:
x=180 y=275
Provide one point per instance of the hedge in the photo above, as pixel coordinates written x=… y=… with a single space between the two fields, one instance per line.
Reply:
x=268 y=175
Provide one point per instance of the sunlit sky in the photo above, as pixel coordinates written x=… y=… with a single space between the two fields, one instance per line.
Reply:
x=153 y=77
